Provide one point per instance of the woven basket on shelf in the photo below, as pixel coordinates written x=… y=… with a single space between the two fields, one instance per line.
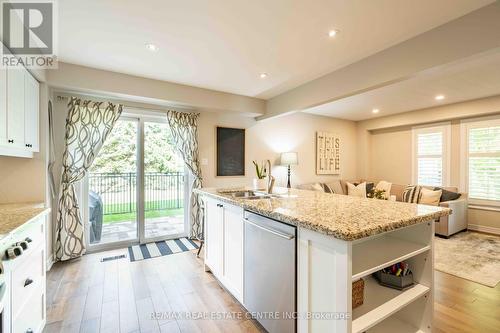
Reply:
x=358 y=288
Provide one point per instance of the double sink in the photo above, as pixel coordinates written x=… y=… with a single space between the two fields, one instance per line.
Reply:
x=251 y=195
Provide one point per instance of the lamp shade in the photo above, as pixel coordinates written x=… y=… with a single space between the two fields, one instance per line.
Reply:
x=289 y=158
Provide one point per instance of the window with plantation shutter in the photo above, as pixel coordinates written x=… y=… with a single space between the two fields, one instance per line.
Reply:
x=430 y=155
x=483 y=161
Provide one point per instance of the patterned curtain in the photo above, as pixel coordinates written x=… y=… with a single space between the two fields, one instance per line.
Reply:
x=87 y=126
x=184 y=128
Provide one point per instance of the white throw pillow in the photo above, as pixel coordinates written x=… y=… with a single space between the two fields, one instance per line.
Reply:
x=384 y=186
x=356 y=191
x=430 y=197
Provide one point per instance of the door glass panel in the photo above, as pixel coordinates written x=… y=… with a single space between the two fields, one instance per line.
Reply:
x=163 y=183
x=112 y=179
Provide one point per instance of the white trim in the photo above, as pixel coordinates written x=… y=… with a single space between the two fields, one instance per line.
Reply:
x=139 y=119
x=49 y=262
x=482 y=228
x=445 y=129
x=480 y=119
x=465 y=126
x=464 y=138
x=15 y=152
x=483 y=207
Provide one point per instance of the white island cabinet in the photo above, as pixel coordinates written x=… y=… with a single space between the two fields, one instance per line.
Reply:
x=330 y=259
x=224 y=244
x=327 y=267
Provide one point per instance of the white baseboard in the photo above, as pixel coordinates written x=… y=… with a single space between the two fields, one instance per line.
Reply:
x=49 y=262
x=482 y=228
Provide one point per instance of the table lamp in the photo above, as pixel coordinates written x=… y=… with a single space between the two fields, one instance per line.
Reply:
x=289 y=159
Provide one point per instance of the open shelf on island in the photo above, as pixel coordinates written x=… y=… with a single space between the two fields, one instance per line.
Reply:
x=382 y=302
x=375 y=254
x=393 y=324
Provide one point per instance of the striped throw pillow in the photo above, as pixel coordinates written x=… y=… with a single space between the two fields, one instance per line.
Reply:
x=327 y=188
x=411 y=193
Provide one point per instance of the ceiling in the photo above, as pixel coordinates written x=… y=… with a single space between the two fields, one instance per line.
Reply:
x=225 y=44
x=467 y=79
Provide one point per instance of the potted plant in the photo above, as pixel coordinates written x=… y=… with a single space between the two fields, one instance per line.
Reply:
x=259 y=183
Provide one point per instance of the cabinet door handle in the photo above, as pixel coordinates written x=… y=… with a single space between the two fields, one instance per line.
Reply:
x=11 y=141
x=28 y=282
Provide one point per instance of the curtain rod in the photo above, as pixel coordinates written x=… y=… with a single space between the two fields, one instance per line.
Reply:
x=64 y=98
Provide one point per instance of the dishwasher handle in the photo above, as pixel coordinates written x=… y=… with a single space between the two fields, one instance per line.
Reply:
x=272 y=231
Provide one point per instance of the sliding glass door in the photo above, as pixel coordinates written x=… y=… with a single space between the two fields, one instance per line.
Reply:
x=164 y=184
x=112 y=187
x=135 y=190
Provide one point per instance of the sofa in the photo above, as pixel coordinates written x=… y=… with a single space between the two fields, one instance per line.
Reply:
x=445 y=226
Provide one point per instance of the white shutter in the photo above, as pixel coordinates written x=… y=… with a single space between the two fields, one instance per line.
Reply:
x=484 y=162
x=429 y=164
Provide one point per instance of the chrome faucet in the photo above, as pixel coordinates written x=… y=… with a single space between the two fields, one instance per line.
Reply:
x=270 y=178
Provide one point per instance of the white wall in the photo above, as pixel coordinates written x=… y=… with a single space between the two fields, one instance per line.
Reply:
x=97 y=82
x=267 y=139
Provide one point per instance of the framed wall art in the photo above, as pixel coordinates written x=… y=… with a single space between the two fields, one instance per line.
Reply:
x=327 y=153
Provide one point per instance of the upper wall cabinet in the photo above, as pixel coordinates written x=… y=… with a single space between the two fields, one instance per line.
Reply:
x=15 y=107
x=3 y=107
x=19 y=109
x=31 y=110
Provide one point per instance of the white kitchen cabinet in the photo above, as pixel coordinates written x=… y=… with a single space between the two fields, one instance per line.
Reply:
x=25 y=276
x=19 y=113
x=224 y=244
x=214 y=233
x=3 y=107
x=15 y=107
x=31 y=107
x=233 y=249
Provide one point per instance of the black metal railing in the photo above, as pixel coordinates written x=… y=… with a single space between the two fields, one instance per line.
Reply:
x=118 y=191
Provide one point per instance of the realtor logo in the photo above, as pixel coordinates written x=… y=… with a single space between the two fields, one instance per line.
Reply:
x=28 y=33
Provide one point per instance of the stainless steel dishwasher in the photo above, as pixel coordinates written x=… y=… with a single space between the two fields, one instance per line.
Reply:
x=270 y=272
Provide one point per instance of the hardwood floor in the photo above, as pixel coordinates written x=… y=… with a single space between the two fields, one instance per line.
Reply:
x=464 y=306
x=87 y=295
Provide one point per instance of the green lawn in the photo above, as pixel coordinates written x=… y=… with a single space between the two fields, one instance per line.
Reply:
x=112 y=218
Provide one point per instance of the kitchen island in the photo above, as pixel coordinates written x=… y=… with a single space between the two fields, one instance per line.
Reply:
x=339 y=240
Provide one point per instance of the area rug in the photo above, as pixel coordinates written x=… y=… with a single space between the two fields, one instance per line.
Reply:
x=469 y=255
x=163 y=248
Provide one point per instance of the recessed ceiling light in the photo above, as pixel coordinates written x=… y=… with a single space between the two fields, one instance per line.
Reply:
x=333 y=33
x=375 y=111
x=263 y=75
x=439 y=97
x=152 y=47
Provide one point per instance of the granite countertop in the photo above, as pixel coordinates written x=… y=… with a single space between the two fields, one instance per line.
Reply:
x=341 y=216
x=13 y=216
